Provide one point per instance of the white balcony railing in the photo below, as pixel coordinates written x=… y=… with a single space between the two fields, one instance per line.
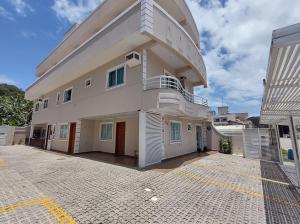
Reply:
x=170 y=82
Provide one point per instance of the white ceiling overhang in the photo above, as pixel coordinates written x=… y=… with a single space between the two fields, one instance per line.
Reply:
x=282 y=86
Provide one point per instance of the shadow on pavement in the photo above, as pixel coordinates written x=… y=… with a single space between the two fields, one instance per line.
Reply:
x=281 y=200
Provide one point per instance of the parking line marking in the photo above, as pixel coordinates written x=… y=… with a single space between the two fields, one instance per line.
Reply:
x=241 y=173
x=236 y=188
x=56 y=211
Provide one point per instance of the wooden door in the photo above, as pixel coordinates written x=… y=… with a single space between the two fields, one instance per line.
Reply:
x=72 y=133
x=120 y=138
x=47 y=137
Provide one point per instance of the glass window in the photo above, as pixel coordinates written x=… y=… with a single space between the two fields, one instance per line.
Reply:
x=63 y=132
x=67 y=95
x=106 y=131
x=116 y=77
x=37 y=107
x=45 y=105
x=175 y=132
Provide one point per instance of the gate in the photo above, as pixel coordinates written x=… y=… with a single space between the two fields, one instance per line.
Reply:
x=260 y=143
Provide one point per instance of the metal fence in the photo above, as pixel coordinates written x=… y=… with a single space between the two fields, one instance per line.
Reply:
x=260 y=143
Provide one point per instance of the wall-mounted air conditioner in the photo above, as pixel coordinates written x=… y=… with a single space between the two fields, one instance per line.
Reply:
x=133 y=59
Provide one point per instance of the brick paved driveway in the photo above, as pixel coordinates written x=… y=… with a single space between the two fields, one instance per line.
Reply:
x=45 y=187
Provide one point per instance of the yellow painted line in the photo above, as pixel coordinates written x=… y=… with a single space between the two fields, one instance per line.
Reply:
x=20 y=205
x=57 y=212
x=236 y=188
x=223 y=169
x=3 y=163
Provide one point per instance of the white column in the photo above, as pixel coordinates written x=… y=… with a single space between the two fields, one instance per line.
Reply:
x=278 y=143
x=31 y=133
x=142 y=139
x=295 y=147
x=77 y=136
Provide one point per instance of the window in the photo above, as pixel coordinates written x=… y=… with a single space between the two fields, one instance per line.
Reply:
x=57 y=98
x=88 y=83
x=106 y=131
x=63 y=132
x=45 y=104
x=175 y=132
x=68 y=95
x=116 y=77
x=37 y=107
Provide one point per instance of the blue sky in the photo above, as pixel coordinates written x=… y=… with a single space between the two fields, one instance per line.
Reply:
x=235 y=41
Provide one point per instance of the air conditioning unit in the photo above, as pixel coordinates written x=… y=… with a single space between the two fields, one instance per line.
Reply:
x=133 y=59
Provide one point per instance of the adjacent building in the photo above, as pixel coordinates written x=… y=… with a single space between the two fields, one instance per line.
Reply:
x=224 y=117
x=122 y=82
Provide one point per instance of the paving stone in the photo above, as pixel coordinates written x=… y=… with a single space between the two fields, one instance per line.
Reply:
x=216 y=189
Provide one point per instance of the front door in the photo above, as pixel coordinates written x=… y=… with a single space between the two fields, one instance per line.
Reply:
x=199 y=138
x=48 y=136
x=120 y=138
x=72 y=138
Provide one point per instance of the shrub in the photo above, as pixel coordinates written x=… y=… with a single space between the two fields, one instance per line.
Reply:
x=225 y=146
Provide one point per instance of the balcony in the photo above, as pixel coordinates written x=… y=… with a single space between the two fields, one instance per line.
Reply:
x=170 y=33
x=166 y=94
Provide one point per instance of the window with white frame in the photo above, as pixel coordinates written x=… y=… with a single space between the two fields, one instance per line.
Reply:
x=68 y=95
x=45 y=104
x=106 y=131
x=116 y=76
x=175 y=132
x=63 y=131
x=88 y=83
x=57 y=98
x=37 y=107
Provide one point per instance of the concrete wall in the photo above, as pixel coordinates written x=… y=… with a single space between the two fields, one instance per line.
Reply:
x=60 y=144
x=7 y=135
x=86 y=135
x=88 y=102
x=131 y=136
x=189 y=142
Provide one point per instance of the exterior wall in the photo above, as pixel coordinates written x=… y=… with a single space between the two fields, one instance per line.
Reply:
x=97 y=20
x=214 y=136
x=156 y=66
x=86 y=133
x=131 y=136
x=7 y=135
x=189 y=142
x=88 y=102
x=172 y=34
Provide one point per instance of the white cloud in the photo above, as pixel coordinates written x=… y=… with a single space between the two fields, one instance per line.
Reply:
x=6 y=14
x=6 y=79
x=74 y=12
x=244 y=29
x=28 y=34
x=21 y=7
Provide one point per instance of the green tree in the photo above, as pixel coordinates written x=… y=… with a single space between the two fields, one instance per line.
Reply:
x=15 y=110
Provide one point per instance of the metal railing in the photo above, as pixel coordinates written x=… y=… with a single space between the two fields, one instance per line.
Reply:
x=170 y=82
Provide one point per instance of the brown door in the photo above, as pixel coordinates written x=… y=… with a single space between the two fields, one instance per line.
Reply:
x=48 y=136
x=120 y=138
x=72 y=138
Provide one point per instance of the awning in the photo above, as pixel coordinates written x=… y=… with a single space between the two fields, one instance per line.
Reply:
x=282 y=85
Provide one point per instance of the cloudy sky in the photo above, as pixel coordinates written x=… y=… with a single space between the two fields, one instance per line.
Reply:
x=235 y=41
